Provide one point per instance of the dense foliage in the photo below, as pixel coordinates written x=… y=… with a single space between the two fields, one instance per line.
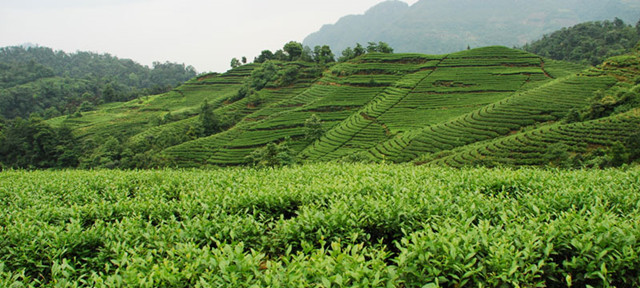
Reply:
x=53 y=83
x=322 y=225
x=33 y=143
x=588 y=43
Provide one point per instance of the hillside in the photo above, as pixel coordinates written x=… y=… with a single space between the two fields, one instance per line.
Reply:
x=588 y=43
x=377 y=107
x=445 y=26
x=53 y=83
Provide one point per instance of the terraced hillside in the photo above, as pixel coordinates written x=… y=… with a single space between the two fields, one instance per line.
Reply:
x=533 y=147
x=134 y=117
x=377 y=107
x=372 y=99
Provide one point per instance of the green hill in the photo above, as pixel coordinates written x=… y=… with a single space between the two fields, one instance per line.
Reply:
x=50 y=83
x=489 y=106
x=588 y=43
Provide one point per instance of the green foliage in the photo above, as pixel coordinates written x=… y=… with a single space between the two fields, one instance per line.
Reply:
x=321 y=225
x=347 y=54
x=588 y=43
x=322 y=54
x=265 y=55
x=235 y=63
x=208 y=120
x=37 y=79
x=313 y=128
x=293 y=50
x=272 y=155
x=380 y=47
x=265 y=75
x=33 y=143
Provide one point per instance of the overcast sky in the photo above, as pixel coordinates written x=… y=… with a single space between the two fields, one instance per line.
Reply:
x=204 y=34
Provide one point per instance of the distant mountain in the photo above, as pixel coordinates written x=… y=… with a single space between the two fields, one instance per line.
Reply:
x=444 y=26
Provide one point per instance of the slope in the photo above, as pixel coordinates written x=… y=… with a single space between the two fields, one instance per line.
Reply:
x=609 y=132
x=367 y=101
x=377 y=107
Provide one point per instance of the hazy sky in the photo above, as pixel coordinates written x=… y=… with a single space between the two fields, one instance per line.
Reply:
x=204 y=34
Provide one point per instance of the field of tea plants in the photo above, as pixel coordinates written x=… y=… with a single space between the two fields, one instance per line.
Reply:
x=321 y=225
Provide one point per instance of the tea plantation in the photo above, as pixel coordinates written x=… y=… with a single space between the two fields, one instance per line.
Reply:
x=321 y=225
x=485 y=106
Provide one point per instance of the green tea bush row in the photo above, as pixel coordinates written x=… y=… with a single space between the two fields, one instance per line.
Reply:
x=320 y=225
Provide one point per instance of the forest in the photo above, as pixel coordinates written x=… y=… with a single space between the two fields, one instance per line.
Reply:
x=54 y=83
x=588 y=43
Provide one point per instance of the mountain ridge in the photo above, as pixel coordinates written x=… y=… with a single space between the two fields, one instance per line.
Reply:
x=437 y=27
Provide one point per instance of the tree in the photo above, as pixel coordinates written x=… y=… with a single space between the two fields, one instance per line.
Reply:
x=633 y=144
x=347 y=54
x=67 y=148
x=209 y=122
x=265 y=55
x=109 y=94
x=372 y=47
x=618 y=23
x=280 y=55
x=262 y=76
x=307 y=54
x=313 y=128
x=288 y=75
x=323 y=54
x=244 y=60
x=33 y=143
x=383 y=47
x=359 y=50
x=293 y=50
x=235 y=63
x=272 y=155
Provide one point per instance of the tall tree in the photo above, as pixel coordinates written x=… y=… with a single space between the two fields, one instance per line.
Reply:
x=265 y=55
x=313 y=128
x=359 y=50
x=209 y=122
x=293 y=50
x=235 y=63
x=347 y=54
x=323 y=54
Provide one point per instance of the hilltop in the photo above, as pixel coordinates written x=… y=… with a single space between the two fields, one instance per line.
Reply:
x=489 y=106
x=445 y=26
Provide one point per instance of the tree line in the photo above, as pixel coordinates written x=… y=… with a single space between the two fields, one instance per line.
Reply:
x=321 y=54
